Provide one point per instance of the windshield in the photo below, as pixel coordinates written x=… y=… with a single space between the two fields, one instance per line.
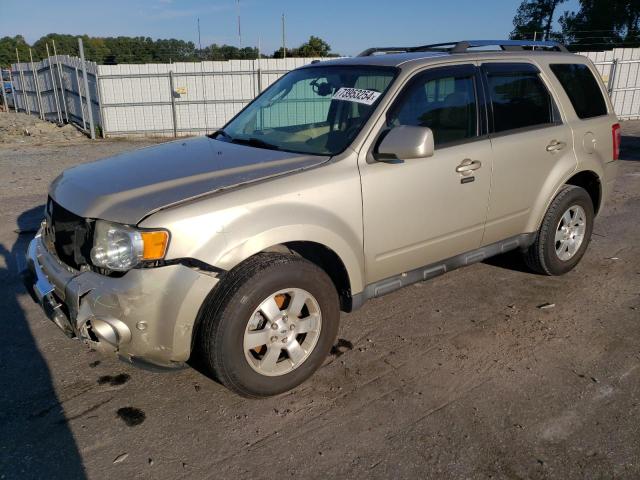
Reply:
x=315 y=110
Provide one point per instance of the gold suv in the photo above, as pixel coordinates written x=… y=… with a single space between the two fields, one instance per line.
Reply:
x=344 y=180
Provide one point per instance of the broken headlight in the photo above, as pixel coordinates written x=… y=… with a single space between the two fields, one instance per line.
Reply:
x=121 y=247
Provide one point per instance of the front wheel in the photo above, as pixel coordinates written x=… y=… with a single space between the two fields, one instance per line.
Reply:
x=270 y=324
x=564 y=234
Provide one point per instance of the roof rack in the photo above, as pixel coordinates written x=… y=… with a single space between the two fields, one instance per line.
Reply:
x=465 y=45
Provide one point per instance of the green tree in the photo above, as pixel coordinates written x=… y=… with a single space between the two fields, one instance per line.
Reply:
x=291 y=52
x=8 y=47
x=601 y=24
x=535 y=16
x=115 y=50
x=314 y=47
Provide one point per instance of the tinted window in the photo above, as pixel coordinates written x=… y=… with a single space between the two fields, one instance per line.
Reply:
x=519 y=99
x=582 y=89
x=447 y=105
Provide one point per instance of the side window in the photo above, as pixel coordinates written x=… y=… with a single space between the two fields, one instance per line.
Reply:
x=581 y=88
x=446 y=104
x=518 y=97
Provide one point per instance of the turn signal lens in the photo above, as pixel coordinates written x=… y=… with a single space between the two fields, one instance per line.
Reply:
x=154 y=244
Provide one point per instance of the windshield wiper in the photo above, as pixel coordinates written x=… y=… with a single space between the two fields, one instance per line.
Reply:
x=255 y=142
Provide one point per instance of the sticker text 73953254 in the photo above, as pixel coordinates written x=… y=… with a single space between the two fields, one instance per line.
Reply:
x=358 y=95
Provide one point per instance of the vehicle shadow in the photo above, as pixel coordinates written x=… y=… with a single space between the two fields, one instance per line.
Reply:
x=510 y=261
x=36 y=440
x=630 y=148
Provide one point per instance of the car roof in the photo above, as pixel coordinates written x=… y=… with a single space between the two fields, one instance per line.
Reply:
x=465 y=50
x=384 y=60
x=419 y=58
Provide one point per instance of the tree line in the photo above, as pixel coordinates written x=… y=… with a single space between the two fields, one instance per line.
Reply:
x=116 y=50
x=597 y=25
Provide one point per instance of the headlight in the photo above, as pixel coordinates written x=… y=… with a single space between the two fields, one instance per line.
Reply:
x=120 y=247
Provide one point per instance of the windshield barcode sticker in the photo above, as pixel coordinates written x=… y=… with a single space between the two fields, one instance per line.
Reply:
x=357 y=95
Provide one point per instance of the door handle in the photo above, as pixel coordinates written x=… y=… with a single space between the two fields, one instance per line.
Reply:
x=468 y=166
x=555 y=145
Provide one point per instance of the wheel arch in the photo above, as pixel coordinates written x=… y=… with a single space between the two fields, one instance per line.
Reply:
x=314 y=243
x=325 y=258
x=590 y=181
x=585 y=178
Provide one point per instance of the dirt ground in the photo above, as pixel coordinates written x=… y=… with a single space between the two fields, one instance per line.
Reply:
x=460 y=377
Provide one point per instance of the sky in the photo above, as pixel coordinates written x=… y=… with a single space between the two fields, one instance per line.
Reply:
x=349 y=26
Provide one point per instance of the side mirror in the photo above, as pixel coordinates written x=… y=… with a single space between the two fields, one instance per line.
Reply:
x=405 y=142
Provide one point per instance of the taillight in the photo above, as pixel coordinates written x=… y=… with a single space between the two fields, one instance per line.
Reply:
x=617 y=137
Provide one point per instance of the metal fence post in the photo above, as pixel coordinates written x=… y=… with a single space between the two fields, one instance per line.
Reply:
x=63 y=96
x=53 y=84
x=4 y=98
x=13 y=90
x=173 y=104
x=612 y=76
x=204 y=98
x=259 y=80
x=84 y=124
x=86 y=89
x=98 y=90
x=24 y=97
x=34 y=71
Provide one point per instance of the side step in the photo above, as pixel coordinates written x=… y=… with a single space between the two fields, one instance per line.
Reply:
x=388 y=285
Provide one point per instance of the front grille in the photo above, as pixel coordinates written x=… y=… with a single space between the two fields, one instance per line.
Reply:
x=70 y=235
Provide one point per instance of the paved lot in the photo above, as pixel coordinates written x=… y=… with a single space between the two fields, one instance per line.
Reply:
x=460 y=377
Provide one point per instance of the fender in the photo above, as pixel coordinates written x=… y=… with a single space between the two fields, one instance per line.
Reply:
x=288 y=233
x=551 y=188
x=323 y=205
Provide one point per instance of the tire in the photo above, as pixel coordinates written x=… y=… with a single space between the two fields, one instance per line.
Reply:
x=234 y=310
x=543 y=255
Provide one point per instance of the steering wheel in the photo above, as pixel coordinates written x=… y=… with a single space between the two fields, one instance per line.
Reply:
x=322 y=89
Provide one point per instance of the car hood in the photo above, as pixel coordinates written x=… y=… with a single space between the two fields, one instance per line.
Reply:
x=128 y=187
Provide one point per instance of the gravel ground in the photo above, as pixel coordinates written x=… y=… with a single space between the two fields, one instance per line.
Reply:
x=460 y=377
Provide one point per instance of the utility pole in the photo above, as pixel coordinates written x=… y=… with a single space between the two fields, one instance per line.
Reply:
x=284 y=48
x=239 y=30
x=199 y=41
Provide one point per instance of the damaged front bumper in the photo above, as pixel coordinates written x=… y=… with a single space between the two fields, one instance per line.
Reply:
x=146 y=315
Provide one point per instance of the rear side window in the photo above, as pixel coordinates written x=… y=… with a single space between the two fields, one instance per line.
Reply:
x=519 y=98
x=581 y=88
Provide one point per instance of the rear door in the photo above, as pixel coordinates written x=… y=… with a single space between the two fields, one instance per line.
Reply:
x=528 y=139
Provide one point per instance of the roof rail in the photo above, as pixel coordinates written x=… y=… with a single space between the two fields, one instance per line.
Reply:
x=372 y=51
x=464 y=45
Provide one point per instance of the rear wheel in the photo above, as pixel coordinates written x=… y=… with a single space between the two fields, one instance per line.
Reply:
x=270 y=324
x=564 y=234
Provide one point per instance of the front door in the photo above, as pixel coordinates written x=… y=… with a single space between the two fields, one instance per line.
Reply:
x=419 y=211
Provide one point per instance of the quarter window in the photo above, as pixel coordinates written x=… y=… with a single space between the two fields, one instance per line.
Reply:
x=519 y=99
x=447 y=105
x=581 y=88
